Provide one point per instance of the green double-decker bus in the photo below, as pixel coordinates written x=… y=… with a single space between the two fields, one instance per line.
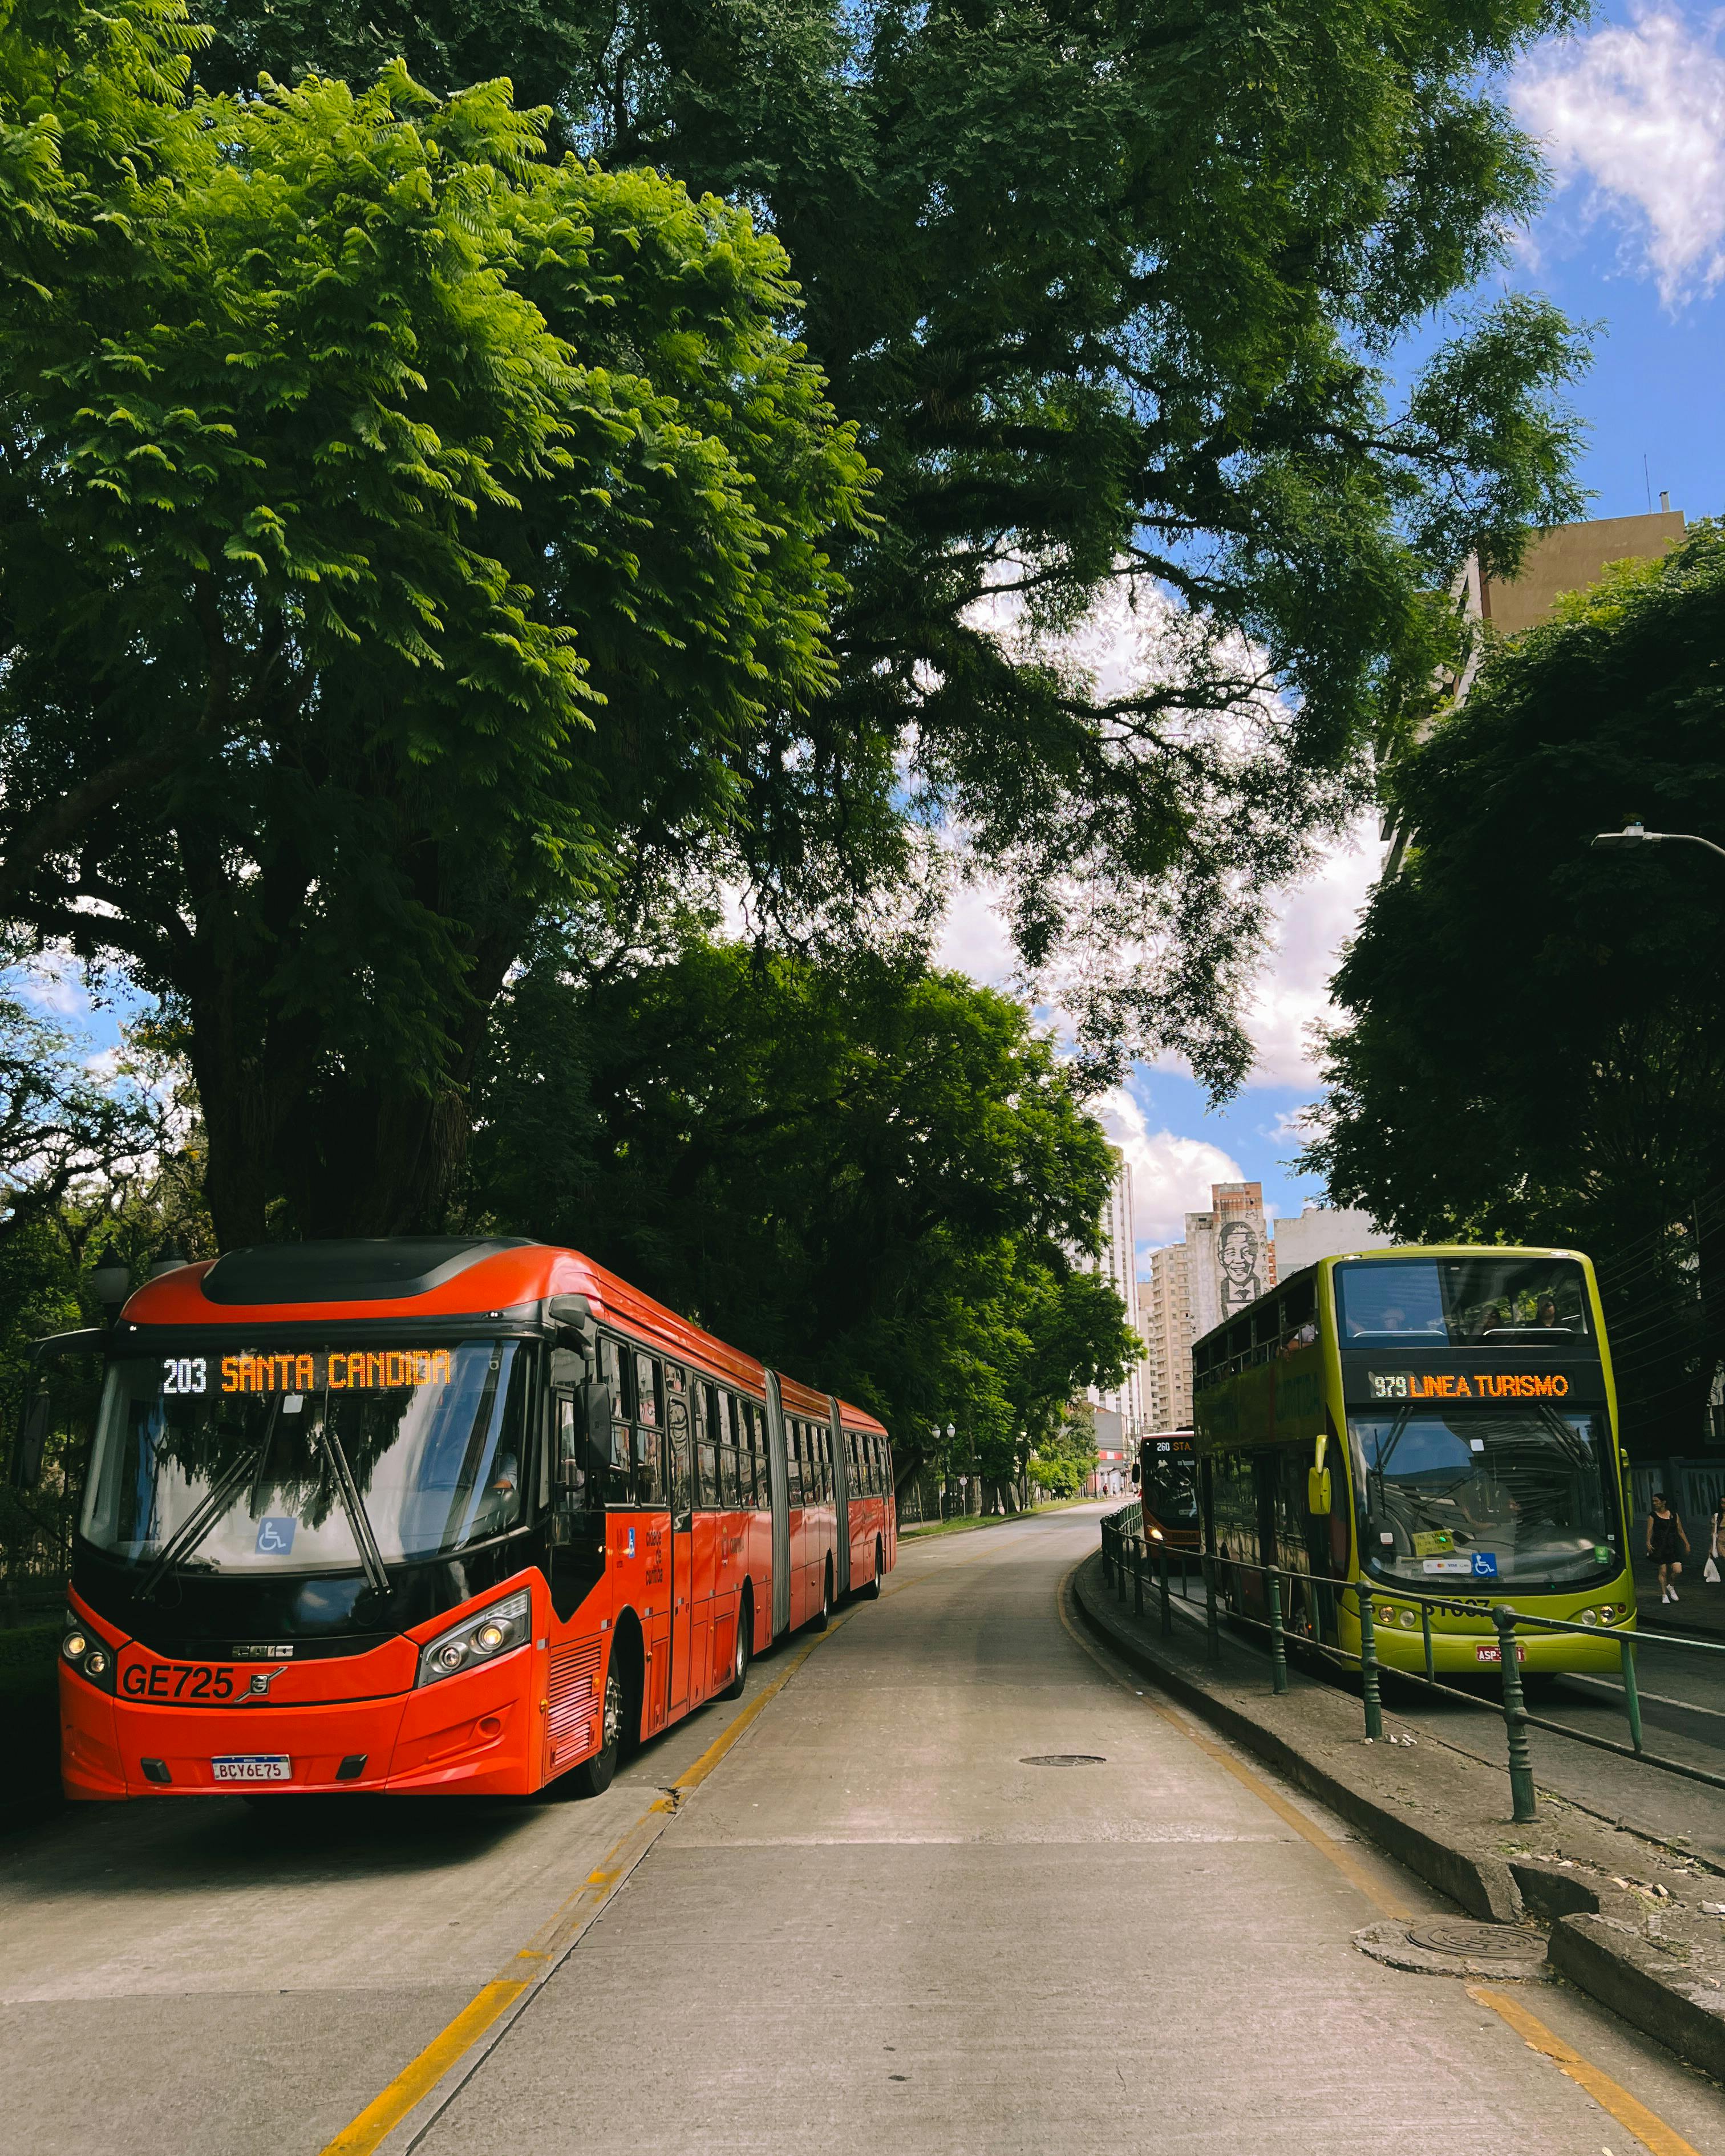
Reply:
x=1435 y=1422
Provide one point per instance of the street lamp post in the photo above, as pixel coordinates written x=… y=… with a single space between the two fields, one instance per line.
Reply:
x=1633 y=834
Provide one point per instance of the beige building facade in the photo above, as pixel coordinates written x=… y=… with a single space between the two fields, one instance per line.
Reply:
x=1165 y=1320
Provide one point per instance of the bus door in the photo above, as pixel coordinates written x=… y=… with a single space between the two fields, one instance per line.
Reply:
x=682 y=1524
x=573 y=1489
x=697 y=1588
x=780 y=1507
x=841 y=1500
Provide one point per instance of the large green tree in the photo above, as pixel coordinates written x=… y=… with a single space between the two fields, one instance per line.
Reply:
x=397 y=531
x=1534 y=1047
x=1108 y=287
x=874 y=1175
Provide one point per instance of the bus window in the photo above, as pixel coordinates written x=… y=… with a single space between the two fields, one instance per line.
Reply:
x=793 y=1461
x=1299 y=1306
x=707 y=1465
x=1519 y=1495
x=647 y=1389
x=725 y=1440
x=611 y=1374
x=1536 y=1301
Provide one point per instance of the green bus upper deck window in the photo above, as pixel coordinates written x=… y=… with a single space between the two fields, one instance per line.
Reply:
x=1508 y=1301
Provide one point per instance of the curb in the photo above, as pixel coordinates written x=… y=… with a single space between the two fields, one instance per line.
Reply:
x=1629 y=1974
x=1606 y=1958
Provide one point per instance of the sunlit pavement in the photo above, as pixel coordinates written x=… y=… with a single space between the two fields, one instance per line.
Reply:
x=872 y=1926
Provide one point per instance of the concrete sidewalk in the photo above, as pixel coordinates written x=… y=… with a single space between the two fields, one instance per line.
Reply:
x=1699 y=1612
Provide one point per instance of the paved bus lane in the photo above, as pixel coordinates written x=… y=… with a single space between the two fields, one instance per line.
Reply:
x=879 y=1924
x=197 y=1973
x=868 y=1921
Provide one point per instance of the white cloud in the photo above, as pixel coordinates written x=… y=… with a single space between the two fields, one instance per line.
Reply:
x=973 y=938
x=54 y=982
x=1171 y=1175
x=1313 y=921
x=1638 y=110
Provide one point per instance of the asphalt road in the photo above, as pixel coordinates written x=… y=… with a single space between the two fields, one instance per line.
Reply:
x=871 y=1924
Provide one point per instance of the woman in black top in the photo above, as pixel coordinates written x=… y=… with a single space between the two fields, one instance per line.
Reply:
x=1667 y=1545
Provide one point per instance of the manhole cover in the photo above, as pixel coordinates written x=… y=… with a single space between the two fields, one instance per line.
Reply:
x=1065 y=1759
x=1452 y=1946
x=1477 y=1942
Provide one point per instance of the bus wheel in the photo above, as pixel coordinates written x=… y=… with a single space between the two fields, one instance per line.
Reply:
x=818 y=1623
x=592 y=1776
x=871 y=1593
x=739 y=1651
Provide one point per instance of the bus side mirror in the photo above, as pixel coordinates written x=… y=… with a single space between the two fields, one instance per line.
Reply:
x=1135 y=1475
x=1317 y=1482
x=596 y=1419
x=32 y=1443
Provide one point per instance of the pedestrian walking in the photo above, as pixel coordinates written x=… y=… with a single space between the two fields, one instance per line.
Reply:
x=1667 y=1545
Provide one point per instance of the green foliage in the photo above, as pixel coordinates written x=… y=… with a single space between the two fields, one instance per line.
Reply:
x=92 y=1170
x=396 y=531
x=869 y=1174
x=1065 y=1456
x=1535 y=1047
x=1107 y=293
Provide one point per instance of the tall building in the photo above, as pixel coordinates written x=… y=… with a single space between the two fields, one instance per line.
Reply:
x=1324 y=1231
x=1120 y=1262
x=1230 y=1259
x=1165 y=1320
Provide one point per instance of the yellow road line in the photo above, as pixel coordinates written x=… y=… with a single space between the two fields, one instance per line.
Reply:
x=388 y=2110
x=1381 y=1897
x=531 y=1965
x=555 y=1939
x=1662 y=2139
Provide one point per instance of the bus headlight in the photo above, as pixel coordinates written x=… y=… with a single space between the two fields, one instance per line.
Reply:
x=92 y=1658
x=1156 y=1534
x=478 y=1639
x=1590 y=1616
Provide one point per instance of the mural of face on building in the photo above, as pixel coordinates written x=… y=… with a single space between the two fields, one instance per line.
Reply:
x=1240 y=1253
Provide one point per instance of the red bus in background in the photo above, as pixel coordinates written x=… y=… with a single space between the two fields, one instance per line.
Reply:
x=1167 y=1491
x=434 y=1515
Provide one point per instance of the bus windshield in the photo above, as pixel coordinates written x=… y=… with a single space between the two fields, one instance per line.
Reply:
x=1516 y=1495
x=1170 y=1492
x=248 y=1462
x=1417 y=1302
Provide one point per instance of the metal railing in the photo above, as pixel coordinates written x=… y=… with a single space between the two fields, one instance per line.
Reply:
x=1127 y=1556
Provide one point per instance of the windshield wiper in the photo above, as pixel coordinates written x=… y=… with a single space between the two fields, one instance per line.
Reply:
x=369 y=1554
x=197 y=1522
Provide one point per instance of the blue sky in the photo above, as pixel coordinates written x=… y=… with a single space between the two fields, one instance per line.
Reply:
x=1632 y=114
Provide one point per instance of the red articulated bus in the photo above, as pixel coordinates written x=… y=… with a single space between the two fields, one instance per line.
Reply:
x=434 y=1515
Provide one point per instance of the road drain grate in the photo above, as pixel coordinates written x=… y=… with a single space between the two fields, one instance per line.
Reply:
x=1451 y=1946
x=1065 y=1759
x=1477 y=1942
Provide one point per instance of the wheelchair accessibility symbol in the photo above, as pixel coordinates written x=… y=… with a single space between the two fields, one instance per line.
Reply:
x=275 y=1536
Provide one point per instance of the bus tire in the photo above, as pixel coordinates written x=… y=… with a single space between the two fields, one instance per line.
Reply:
x=739 y=1651
x=818 y=1622
x=871 y=1593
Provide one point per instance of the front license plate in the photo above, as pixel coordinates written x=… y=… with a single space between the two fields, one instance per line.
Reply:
x=1495 y=1654
x=254 y=1767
